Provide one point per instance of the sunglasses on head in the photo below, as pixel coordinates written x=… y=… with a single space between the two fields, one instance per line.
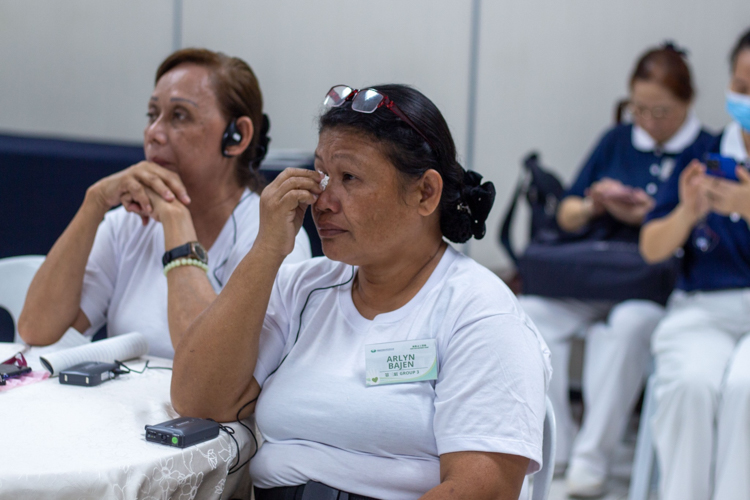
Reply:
x=367 y=101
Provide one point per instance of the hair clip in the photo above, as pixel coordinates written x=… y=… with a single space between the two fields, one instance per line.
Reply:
x=671 y=45
x=463 y=207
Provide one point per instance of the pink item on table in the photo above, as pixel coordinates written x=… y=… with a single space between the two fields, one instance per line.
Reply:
x=29 y=378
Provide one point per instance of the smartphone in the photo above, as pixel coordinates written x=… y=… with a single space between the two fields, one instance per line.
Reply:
x=9 y=371
x=721 y=166
x=623 y=197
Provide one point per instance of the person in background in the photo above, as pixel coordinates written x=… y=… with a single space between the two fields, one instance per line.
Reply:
x=189 y=214
x=315 y=336
x=702 y=347
x=612 y=193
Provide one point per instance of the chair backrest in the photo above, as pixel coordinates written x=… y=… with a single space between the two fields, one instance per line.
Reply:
x=16 y=274
x=543 y=478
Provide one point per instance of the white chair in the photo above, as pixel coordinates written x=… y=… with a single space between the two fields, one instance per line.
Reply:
x=16 y=274
x=645 y=467
x=543 y=478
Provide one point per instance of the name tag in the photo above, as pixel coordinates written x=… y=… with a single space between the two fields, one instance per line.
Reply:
x=401 y=362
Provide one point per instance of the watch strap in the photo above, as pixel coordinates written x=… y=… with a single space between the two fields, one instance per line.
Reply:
x=192 y=250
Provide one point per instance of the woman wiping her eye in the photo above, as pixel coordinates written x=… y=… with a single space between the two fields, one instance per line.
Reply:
x=394 y=367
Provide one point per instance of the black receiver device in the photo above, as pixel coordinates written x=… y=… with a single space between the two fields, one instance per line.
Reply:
x=182 y=432
x=88 y=373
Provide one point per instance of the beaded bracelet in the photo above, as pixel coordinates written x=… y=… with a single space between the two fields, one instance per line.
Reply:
x=184 y=262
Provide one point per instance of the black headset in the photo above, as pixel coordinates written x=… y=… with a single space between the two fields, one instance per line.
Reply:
x=231 y=137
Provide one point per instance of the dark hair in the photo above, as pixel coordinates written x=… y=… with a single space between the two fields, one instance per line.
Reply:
x=238 y=93
x=464 y=203
x=667 y=66
x=742 y=44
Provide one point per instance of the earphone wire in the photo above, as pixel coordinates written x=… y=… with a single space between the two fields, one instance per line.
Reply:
x=234 y=239
x=299 y=329
x=299 y=326
x=120 y=365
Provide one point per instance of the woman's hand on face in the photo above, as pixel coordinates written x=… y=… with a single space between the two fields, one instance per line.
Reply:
x=727 y=197
x=128 y=187
x=692 y=189
x=282 y=208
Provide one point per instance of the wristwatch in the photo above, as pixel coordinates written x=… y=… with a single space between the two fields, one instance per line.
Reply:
x=191 y=250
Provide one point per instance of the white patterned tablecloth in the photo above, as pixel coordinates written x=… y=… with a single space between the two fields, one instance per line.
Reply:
x=69 y=442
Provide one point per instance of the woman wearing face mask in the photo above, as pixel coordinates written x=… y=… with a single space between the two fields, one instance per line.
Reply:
x=189 y=214
x=702 y=346
x=611 y=195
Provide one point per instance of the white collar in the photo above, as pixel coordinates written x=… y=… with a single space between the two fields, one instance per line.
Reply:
x=732 y=144
x=684 y=137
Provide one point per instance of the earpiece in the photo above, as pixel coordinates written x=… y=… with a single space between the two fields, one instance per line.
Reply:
x=231 y=137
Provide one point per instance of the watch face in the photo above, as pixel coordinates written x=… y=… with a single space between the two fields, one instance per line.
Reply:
x=200 y=252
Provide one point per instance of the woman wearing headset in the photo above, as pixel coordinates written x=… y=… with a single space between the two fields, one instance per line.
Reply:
x=702 y=346
x=189 y=211
x=337 y=343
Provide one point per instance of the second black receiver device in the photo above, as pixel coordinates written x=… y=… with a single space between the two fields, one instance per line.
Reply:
x=88 y=373
x=182 y=432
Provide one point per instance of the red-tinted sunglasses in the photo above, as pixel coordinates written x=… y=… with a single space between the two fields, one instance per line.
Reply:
x=367 y=101
x=17 y=360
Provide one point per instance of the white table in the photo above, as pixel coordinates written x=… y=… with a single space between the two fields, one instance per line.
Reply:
x=69 y=442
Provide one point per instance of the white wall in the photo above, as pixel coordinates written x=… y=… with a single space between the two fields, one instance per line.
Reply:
x=80 y=68
x=549 y=70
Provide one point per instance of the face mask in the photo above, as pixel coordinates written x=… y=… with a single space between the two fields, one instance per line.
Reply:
x=738 y=106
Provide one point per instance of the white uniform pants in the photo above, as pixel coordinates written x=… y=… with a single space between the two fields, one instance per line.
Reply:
x=616 y=357
x=702 y=421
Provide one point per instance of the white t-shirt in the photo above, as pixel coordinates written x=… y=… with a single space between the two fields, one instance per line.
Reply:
x=124 y=285
x=319 y=420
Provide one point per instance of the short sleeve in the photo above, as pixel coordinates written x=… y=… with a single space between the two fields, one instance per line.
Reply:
x=591 y=170
x=246 y=239
x=490 y=393
x=275 y=332
x=101 y=274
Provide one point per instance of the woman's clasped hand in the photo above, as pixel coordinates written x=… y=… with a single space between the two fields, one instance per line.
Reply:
x=142 y=189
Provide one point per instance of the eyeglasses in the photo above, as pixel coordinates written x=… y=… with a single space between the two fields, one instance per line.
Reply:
x=17 y=360
x=367 y=101
x=656 y=113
